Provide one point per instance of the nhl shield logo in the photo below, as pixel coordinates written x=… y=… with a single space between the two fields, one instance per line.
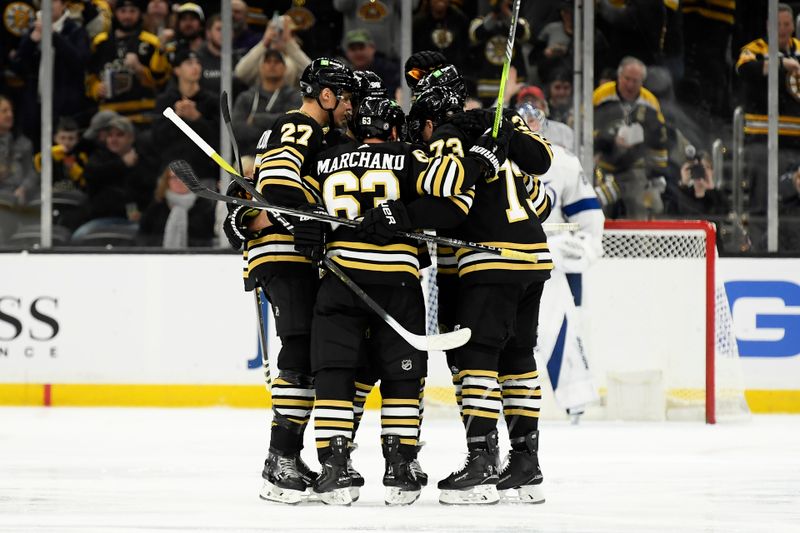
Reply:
x=406 y=364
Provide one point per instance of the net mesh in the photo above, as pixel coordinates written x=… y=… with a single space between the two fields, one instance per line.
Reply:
x=649 y=243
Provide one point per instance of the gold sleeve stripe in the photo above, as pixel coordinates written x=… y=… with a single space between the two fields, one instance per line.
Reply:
x=280 y=163
x=277 y=237
x=544 y=206
x=365 y=246
x=461 y=204
x=288 y=183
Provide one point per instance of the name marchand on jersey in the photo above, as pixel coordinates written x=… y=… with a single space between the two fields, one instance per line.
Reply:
x=351 y=180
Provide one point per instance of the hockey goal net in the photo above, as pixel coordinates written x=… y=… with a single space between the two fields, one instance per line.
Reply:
x=655 y=312
x=657 y=329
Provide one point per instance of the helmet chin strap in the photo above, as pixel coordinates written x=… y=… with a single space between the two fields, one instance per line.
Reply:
x=331 y=122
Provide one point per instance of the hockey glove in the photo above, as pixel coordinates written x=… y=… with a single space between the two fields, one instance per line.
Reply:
x=490 y=153
x=422 y=63
x=309 y=234
x=572 y=253
x=380 y=224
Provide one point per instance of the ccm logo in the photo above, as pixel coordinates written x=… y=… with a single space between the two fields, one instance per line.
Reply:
x=766 y=317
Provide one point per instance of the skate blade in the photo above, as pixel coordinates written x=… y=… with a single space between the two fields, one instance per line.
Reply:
x=273 y=493
x=394 y=496
x=354 y=494
x=480 y=495
x=336 y=497
x=530 y=494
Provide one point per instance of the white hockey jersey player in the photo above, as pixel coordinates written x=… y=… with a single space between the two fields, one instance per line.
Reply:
x=559 y=340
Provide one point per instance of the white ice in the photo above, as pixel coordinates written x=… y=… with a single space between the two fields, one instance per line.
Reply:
x=133 y=470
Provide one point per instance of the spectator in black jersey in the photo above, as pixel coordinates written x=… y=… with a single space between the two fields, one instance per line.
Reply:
x=257 y=108
x=112 y=173
x=696 y=194
x=359 y=49
x=442 y=26
x=199 y=108
x=176 y=218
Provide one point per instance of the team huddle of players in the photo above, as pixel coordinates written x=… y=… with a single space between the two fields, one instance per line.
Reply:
x=350 y=151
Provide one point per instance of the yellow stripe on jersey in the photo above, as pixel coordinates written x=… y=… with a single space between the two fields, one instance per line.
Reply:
x=500 y=244
x=287 y=183
x=277 y=258
x=372 y=267
x=374 y=247
x=497 y=265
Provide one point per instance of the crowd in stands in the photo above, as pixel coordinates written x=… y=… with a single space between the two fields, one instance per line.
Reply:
x=669 y=74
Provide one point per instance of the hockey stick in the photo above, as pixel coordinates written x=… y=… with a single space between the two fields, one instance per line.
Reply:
x=446 y=341
x=262 y=335
x=210 y=152
x=512 y=32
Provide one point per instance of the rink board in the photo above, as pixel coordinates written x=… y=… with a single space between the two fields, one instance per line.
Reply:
x=178 y=330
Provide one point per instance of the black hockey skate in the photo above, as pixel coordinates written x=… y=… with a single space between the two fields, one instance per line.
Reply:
x=283 y=480
x=476 y=481
x=332 y=486
x=417 y=468
x=521 y=472
x=402 y=485
x=308 y=475
x=356 y=479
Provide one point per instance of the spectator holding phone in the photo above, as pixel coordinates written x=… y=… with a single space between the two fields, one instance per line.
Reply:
x=696 y=194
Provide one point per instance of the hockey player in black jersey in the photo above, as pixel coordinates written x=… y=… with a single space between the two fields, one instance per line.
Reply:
x=499 y=300
x=282 y=263
x=370 y=180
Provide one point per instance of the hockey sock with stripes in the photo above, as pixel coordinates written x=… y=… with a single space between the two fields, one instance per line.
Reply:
x=481 y=400
x=333 y=408
x=292 y=401
x=522 y=399
x=400 y=412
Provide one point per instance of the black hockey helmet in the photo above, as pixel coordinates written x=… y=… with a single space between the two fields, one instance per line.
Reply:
x=376 y=117
x=436 y=104
x=326 y=72
x=446 y=76
x=369 y=84
x=420 y=64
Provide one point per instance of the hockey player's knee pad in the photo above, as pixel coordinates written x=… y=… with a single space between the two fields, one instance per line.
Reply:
x=292 y=399
x=295 y=354
x=516 y=360
x=476 y=356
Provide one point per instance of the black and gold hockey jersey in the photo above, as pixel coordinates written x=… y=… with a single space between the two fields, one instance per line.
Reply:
x=129 y=94
x=284 y=155
x=506 y=212
x=352 y=179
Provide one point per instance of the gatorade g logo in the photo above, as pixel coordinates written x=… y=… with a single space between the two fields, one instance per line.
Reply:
x=766 y=317
x=388 y=214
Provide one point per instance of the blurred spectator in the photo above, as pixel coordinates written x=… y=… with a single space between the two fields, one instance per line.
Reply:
x=361 y=53
x=17 y=19
x=198 y=107
x=210 y=56
x=69 y=162
x=559 y=96
x=156 y=20
x=243 y=37
x=112 y=172
x=442 y=26
x=752 y=70
x=189 y=27
x=95 y=134
x=789 y=231
x=630 y=137
x=696 y=195
x=127 y=68
x=489 y=35
x=176 y=218
x=69 y=157
x=633 y=28
x=552 y=49
x=707 y=31
x=316 y=24
x=71 y=54
x=17 y=176
x=380 y=19
x=277 y=36
x=94 y=15
x=257 y=108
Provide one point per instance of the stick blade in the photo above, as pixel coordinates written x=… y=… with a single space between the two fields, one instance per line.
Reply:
x=447 y=341
x=186 y=174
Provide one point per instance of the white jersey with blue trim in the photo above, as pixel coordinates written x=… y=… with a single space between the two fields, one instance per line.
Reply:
x=572 y=195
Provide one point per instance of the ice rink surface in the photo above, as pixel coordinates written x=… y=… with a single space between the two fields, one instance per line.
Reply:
x=174 y=470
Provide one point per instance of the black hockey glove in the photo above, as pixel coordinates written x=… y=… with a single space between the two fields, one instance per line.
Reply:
x=380 y=224
x=422 y=63
x=490 y=153
x=475 y=121
x=236 y=236
x=309 y=234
